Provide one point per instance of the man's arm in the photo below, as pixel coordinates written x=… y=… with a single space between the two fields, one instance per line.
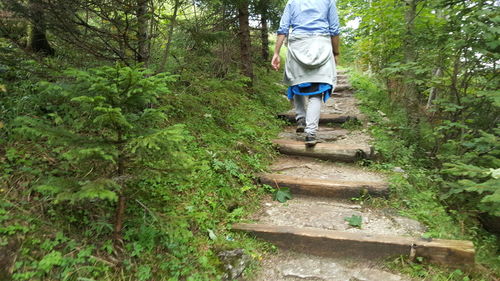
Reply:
x=282 y=33
x=333 y=19
x=336 y=47
x=276 y=61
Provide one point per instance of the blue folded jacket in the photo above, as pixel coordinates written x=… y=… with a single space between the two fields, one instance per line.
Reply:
x=309 y=89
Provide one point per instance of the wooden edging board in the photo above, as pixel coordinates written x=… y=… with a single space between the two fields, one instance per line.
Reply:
x=455 y=253
x=329 y=151
x=326 y=188
x=342 y=87
x=324 y=118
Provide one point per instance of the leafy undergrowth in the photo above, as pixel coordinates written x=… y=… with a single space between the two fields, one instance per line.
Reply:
x=180 y=151
x=417 y=187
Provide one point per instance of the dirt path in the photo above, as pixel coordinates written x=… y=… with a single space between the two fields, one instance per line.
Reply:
x=315 y=239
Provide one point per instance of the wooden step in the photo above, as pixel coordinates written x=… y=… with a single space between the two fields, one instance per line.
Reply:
x=326 y=188
x=342 y=87
x=343 y=94
x=455 y=253
x=324 y=118
x=328 y=151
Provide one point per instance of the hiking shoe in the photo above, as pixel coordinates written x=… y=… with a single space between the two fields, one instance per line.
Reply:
x=311 y=140
x=301 y=125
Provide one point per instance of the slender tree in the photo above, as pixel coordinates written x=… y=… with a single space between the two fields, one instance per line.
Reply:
x=142 y=31
x=263 y=8
x=244 y=36
x=411 y=93
x=170 y=34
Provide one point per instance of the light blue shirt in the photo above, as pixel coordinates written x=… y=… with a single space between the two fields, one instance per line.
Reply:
x=310 y=17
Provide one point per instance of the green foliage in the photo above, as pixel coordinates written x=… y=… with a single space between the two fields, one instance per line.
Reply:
x=354 y=221
x=182 y=149
x=447 y=197
x=102 y=125
x=420 y=271
x=282 y=194
x=184 y=182
x=352 y=124
x=473 y=178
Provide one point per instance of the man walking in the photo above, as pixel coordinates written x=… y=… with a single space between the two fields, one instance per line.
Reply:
x=313 y=50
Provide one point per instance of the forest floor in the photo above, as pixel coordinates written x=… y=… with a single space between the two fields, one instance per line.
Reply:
x=329 y=196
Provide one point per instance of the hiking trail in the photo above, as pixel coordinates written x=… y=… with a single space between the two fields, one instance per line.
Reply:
x=315 y=240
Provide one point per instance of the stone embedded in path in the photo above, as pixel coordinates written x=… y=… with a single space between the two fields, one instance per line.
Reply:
x=289 y=266
x=326 y=134
x=307 y=167
x=326 y=188
x=329 y=151
x=455 y=253
x=330 y=214
x=344 y=105
x=330 y=135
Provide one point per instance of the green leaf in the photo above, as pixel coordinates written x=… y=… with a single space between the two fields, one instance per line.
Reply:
x=282 y=195
x=354 y=221
x=52 y=259
x=143 y=273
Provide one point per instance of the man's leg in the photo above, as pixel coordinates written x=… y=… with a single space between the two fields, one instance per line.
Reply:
x=300 y=110
x=313 y=113
x=300 y=106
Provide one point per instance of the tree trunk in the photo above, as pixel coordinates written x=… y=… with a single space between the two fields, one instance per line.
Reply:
x=264 y=34
x=170 y=34
x=118 y=225
x=438 y=70
x=433 y=92
x=142 y=32
x=410 y=14
x=121 y=204
x=409 y=54
x=37 y=38
x=245 y=43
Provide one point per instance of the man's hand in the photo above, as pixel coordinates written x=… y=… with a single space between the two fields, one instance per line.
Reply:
x=276 y=62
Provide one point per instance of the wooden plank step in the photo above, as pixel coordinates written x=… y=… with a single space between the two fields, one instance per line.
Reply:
x=455 y=253
x=326 y=188
x=324 y=118
x=342 y=87
x=328 y=151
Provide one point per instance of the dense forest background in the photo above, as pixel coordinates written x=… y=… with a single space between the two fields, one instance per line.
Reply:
x=131 y=129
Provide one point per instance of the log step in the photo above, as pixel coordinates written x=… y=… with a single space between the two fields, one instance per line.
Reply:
x=326 y=188
x=324 y=118
x=342 y=87
x=455 y=253
x=327 y=151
